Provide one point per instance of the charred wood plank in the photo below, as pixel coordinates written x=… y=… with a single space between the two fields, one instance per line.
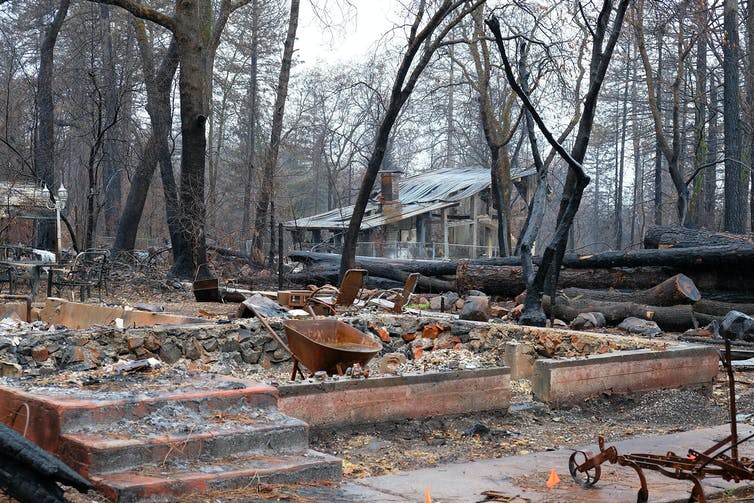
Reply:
x=30 y=474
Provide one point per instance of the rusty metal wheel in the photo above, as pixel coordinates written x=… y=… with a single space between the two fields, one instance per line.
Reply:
x=584 y=478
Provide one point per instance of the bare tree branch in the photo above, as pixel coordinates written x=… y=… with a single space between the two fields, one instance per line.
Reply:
x=143 y=12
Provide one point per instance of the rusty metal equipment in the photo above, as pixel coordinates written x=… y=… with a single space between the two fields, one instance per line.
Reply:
x=293 y=298
x=206 y=287
x=714 y=462
x=328 y=345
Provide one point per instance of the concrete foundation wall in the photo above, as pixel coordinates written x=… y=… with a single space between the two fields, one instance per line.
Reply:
x=76 y=315
x=572 y=380
x=354 y=401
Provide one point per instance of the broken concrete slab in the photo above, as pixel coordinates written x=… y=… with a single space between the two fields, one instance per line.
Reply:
x=520 y=358
x=16 y=306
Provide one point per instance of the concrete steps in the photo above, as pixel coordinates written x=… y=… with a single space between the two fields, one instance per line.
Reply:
x=167 y=484
x=147 y=437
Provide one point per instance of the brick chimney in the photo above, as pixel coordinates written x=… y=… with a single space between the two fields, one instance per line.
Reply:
x=390 y=187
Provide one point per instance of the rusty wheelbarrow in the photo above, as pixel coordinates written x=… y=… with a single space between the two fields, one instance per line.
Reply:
x=328 y=345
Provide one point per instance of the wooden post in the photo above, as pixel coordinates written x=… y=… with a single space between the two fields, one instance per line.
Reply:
x=444 y=218
x=474 y=230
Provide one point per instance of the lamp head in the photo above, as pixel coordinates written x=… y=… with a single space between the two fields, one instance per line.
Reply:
x=62 y=194
x=45 y=193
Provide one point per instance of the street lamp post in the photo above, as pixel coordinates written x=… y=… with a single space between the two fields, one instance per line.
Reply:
x=58 y=205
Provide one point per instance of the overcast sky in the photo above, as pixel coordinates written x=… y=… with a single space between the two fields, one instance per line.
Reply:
x=353 y=33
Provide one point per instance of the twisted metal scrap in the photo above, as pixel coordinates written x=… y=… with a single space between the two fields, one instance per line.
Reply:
x=714 y=462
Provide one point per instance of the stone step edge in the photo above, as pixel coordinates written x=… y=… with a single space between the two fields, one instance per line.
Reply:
x=97 y=434
x=88 y=453
x=138 y=486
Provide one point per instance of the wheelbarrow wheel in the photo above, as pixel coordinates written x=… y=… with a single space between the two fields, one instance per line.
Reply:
x=584 y=478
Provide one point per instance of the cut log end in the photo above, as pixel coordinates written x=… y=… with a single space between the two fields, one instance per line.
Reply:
x=687 y=289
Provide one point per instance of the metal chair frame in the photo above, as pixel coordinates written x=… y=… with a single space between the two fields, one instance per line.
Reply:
x=90 y=268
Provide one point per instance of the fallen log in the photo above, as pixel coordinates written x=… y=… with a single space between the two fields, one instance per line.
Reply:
x=423 y=267
x=678 y=289
x=668 y=318
x=507 y=281
x=697 y=258
x=324 y=265
x=663 y=236
x=227 y=252
x=395 y=279
x=717 y=308
x=730 y=256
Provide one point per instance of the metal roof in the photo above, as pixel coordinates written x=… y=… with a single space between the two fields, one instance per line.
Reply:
x=418 y=194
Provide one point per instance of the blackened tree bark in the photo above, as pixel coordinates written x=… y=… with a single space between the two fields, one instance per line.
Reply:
x=750 y=88
x=44 y=149
x=576 y=180
x=734 y=214
x=637 y=215
x=422 y=44
x=195 y=51
x=539 y=201
x=252 y=98
x=697 y=216
x=156 y=151
x=267 y=191
x=658 y=147
x=710 y=173
x=618 y=215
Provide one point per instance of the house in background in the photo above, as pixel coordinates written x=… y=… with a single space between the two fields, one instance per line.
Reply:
x=21 y=206
x=446 y=213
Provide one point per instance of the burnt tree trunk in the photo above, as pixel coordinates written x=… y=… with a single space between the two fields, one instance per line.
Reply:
x=719 y=308
x=44 y=150
x=683 y=237
x=700 y=257
x=679 y=289
x=546 y=277
x=509 y=281
x=423 y=267
x=156 y=151
x=668 y=318
x=378 y=275
x=420 y=49
x=267 y=192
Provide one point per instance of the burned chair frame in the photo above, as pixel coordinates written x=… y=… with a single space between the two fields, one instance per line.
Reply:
x=90 y=269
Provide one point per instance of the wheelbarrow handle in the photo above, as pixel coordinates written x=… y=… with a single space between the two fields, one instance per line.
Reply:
x=269 y=329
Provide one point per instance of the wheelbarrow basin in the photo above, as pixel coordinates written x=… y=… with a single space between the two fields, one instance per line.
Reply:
x=329 y=345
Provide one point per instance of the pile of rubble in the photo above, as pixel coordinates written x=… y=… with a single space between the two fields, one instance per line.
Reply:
x=242 y=347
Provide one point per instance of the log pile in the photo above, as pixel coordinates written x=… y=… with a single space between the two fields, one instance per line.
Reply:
x=683 y=279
